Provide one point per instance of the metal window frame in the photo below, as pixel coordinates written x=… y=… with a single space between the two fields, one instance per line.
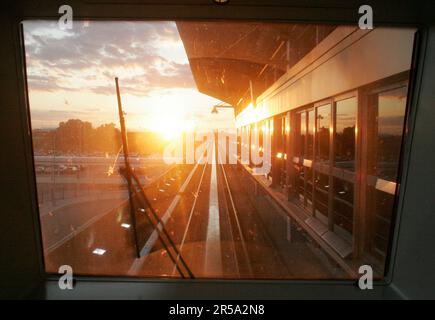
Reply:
x=390 y=187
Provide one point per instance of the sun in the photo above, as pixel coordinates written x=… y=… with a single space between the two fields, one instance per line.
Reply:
x=171 y=131
x=171 y=128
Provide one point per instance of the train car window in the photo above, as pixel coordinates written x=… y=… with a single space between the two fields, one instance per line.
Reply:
x=216 y=149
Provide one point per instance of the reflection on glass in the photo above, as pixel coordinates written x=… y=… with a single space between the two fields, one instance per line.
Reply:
x=309 y=185
x=391 y=115
x=322 y=134
x=300 y=181
x=262 y=129
x=171 y=73
x=302 y=133
x=344 y=151
x=390 y=107
x=310 y=139
x=321 y=183
x=383 y=204
x=343 y=205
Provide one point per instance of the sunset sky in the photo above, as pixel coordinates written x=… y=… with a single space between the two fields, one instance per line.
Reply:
x=71 y=76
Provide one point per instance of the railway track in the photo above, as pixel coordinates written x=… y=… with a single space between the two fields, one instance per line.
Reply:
x=214 y=222
x=248 y=251
x=178 y=219
x=242 y=261
x=258 y=247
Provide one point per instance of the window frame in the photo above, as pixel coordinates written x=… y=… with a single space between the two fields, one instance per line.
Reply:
x=419 y=81
x=329 y=169
x=358 y=237
x=373 y=183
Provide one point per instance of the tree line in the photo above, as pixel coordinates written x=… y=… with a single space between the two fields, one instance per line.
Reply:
x=77 y=137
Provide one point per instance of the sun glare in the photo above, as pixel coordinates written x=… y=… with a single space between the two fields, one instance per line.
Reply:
x=171 y=128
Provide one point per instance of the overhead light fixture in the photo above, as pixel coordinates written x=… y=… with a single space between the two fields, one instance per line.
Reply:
x=220 y=1
x=99 y=251
x=214 y=110
x=125 y=225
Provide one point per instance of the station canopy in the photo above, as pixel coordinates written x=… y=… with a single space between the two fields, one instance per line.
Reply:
x=236 y=62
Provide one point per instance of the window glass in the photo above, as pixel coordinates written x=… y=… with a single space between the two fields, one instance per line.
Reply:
x=345 y=123
x=186 y=87
x=321 y=190
x=301 y=132
x=300 y=182
x=309 y=186
x=310 y=139
x=391 y=115
x=343 y=205
x=383 y=204
x=322 y=134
